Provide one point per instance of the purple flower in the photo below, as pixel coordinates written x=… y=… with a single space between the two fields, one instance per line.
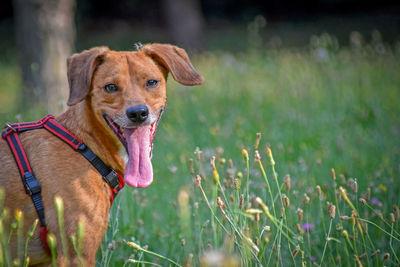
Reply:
x=376 y=202
x=307 y=226
x=312 y=258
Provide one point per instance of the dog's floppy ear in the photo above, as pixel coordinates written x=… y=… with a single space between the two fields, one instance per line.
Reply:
x=176 y=61
x=80 y=71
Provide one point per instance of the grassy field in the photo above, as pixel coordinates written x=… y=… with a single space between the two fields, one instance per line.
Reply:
x=316 y=109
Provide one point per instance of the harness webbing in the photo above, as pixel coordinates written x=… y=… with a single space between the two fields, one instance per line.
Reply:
x=31 y=184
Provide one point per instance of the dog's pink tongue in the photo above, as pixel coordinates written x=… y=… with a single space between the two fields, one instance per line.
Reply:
x=138 y=171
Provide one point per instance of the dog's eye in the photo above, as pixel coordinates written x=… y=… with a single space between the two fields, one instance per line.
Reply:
x=151 y=83
x=111 y=88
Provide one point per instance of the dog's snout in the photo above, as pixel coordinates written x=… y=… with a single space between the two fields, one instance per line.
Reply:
x=138 y=113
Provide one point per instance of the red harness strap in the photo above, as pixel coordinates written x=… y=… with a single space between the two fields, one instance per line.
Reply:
x=31 y=184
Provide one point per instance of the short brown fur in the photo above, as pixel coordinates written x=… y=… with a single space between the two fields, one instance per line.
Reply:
x=64 y=172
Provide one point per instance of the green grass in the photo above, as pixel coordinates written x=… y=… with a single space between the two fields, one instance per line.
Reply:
x=320 y=108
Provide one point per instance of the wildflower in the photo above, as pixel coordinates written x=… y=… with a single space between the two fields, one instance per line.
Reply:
x=382 y=187
x=267 y=228
x=312 y=258
x=271 y=158
x=376 y=202
x=307 y=226
x=257 y=156
x=245 y=154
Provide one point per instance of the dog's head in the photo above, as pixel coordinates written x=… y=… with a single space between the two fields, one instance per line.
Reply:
x=126 y=92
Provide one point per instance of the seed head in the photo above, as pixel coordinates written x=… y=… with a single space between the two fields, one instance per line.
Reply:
x=332 y=211
x=355 y=186
x=285 y=200
x=362 y=200
x=258 y=138
x=368 y=194
x=344 y=218
x=282 y=212
x=386 y=256
x=198 y=180
x=295 y=252
x=392 y=218
x=342 y=178
x=362 y=256
x=263 y=206
x=241 y=200
x=236 y=183
x=230 y=163
x=333 y=174
x=212 y=162
x=306 y=198
x=253 y=211
x=257 y=156
x=397 y=211
x=191 y=166
x=300 y=214
x=286 y=180
x=376 y=252
x=220 y=203
x=318 y=189
x=183 y=242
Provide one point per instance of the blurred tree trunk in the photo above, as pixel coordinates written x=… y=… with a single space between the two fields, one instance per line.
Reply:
x=45 y=36
x=185 y=23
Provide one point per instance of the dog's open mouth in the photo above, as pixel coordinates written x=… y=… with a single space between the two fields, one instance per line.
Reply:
x=138 y=143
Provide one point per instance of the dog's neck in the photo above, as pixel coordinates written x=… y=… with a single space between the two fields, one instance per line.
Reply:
x=80 y=120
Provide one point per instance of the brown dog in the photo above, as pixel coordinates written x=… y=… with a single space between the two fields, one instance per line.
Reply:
x=116 y=99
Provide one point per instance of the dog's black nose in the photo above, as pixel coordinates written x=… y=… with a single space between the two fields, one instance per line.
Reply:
x=138 y=113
